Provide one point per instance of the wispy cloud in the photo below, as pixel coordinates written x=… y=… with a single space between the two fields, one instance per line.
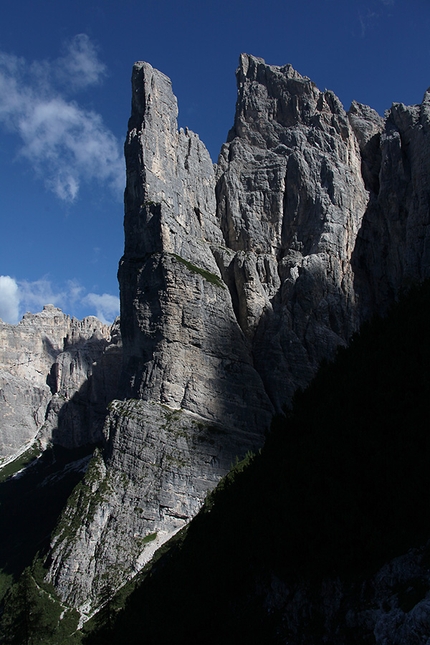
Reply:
x=367 y=20
x=106 y=306
x=18 y=297
x=65 y=143
x=33 y=295
x=371 y=12
x=80 y=66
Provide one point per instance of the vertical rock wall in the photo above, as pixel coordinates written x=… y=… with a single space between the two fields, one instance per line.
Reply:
x=192 y=400
x=291 y=199
x=235 y=283
x=393 y=247
x=182 y=344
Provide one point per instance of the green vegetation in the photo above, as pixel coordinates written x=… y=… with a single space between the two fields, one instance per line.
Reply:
x=176 y=461
x=149 y=538
x=33 y=614
x=24 y=460
x=84 y=499
x=207 y=275
x=6 y=581
x=172 y=417
x=30 y=506
x=341 y=486
x=99 y=628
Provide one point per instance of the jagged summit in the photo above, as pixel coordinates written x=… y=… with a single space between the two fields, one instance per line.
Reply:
x=272 y=98
x=56 y=376
x=236 y=281
x=250 y=65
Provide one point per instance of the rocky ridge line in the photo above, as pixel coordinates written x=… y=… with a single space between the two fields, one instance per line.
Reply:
x=235 y=284
x=57 y=375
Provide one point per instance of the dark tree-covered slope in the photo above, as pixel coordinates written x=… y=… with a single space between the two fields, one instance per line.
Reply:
x=341 y=487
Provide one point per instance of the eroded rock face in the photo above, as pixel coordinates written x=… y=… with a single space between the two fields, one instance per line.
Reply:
x=182 y=344
x=235 y=283
x=194 y=399
x=393 y=247
x=54 y=383
x=291 y=198
x=161 y=465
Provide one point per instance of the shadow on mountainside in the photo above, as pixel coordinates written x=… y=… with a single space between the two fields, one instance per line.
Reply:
x=341 y=486
x=81 y=417
x=32 y=499
x=31 y=502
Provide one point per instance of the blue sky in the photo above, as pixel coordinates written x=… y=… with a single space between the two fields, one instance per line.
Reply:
x=65 y=68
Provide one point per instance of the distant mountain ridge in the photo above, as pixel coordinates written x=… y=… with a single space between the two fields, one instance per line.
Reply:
x=237 y=280
x=56 y=376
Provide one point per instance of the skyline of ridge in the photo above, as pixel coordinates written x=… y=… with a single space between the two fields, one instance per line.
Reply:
x=65 y=102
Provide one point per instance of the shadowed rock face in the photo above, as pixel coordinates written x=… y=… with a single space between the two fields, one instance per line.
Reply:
x=290 y=200
x=393 y=246
x=235 y=282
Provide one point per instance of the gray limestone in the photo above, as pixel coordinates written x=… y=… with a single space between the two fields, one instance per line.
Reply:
x=161 y=464
x=236 y=281
x=193 y=399
x=53 y=381
x=393 y=246
x=290 y=200
x=182 y=344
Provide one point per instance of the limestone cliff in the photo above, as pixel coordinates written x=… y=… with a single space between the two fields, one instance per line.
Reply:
x=393 y=246
x=236 y=281
x=182 y=346
x=56 y=376
x=193 y=399
x=290 y=200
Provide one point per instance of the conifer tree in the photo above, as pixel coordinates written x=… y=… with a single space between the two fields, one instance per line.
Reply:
x=23 y=621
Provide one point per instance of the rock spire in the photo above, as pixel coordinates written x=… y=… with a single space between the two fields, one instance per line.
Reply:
x=236 y=281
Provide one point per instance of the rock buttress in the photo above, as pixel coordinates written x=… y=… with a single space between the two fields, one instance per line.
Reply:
x=192 y=401
x=290 y=202
x=235 y=284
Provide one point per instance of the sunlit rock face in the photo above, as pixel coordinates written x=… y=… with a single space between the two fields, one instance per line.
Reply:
x=194 y=401
x=54 y=380
x=236 y=281
x=182 y=344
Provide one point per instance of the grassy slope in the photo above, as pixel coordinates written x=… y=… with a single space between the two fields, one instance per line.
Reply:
x=342 y=485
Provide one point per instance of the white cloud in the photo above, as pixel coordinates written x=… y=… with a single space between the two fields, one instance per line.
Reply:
x=18 y=297
x=368 y=21
x=65 y=143
x=9 y=300
x=80 y=66
x=75 y=291
x=33 y=295
x=106 y=306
